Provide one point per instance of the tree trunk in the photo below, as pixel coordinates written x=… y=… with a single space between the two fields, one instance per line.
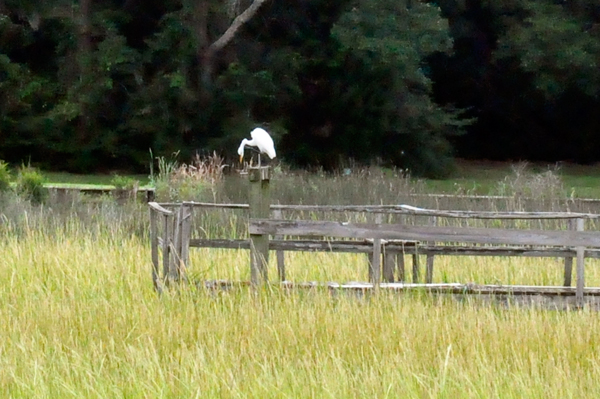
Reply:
x=207 y=53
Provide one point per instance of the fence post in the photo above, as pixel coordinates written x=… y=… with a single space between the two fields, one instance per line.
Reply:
x=260 y=203
x=415 y=259
x=280 y=256
x=569 y=260
x=580 y=268
x=400 y=265
x=165 y=247
x=174 y=264
x=374 y=258
x=184 y=248
x=154 y=249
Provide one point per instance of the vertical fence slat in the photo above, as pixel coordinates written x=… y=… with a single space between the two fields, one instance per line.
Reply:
x=389 y=259
x=175 y=246
x=580 y=268
x=400 y=266
x=165 y=246
x=154 y=249
x=186 y=229
x=280 y=253
x=375 y=264
x=571 y=225
x=415 y=265
x=429 y=269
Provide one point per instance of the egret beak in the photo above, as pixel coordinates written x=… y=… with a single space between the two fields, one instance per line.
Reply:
x=241 y=158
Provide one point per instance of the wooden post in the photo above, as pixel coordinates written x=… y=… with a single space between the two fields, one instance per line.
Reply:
x=280 y=253
x=374 y=257
x=429 y=269
x=429 y=261
x=259 y=209
x=186 y=229
x=154 y=249
x=569 y=260
x=580 y=268
x=165 y=246
x=415 y=266
x=175 y=247
x=389 y=257
x=375 y=264
x=400 y=265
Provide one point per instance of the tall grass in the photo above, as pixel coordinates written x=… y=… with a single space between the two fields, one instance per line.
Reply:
x=80 y=320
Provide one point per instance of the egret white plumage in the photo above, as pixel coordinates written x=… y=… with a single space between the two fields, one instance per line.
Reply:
x=260 y=139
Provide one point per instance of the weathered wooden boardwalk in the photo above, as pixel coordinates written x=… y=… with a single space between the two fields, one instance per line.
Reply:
x=386 y=244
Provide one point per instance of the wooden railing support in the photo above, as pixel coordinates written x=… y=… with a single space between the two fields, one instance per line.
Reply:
x=279 y=253
x=580 y=268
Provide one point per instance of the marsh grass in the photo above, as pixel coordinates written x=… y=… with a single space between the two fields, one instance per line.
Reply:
x=81 y=320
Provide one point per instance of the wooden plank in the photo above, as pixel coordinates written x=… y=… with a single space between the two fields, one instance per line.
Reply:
x=404 y=209
x=580 y=267
x=154 y=249
x=424 y=233
x=347 y=246
x=158 y=208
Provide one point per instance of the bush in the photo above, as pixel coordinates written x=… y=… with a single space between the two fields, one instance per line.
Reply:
x=124 y=182
x=30 y=185
x=4 y=177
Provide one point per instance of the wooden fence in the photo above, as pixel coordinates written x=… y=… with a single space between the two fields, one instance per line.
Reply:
x=385 y=243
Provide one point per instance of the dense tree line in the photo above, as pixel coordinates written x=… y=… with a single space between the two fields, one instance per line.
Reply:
x=94 y=84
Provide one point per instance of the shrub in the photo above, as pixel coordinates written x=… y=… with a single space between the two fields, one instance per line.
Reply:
x=124 y=182
x=30 y=185
x=4 y=177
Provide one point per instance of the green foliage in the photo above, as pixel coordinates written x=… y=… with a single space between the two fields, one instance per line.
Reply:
x=407 y=127
x=123 y=182
x=5 y=177
x=557 y=46
x=30 y=185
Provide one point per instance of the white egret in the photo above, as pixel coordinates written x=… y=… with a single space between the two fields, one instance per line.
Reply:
x=260 y=139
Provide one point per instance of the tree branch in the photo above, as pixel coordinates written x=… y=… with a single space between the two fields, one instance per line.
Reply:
x=235 y=25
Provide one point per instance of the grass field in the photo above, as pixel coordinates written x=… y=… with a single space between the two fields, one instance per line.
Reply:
x=81 y=320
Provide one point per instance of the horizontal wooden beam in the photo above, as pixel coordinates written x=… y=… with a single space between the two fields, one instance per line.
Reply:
x=158 y=208
x=425 y=233
x=445 y=288
x=403 y=209
x=408 y=249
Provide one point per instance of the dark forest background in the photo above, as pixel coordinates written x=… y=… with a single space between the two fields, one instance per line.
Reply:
x=93 y=85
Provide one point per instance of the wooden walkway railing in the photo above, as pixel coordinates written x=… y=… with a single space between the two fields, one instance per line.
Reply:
x=385 y=243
